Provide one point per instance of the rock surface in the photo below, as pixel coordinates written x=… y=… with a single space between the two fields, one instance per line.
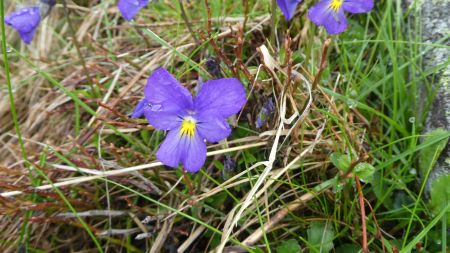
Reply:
x=435 y=20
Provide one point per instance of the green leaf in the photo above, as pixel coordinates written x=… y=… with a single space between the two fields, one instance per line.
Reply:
x=217 y=199
x=364 y=171
x=348 y=248
x=380 y=187
x=218 y=164
x=428 y=153
x=258 y=250
x=289 y=246
x=342 y=162
x=440 y=195
x=320 y=236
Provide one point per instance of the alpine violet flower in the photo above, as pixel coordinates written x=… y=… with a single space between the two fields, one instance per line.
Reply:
x=288 y=7
x=129 y=8
x=330 y=13
x=26 y=20
x=169 y=106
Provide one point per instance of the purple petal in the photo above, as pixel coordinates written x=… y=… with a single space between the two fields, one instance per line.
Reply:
x=139 y=110
x=168 y=100
x=165 y=93
x=222 y=97
x=163 y=120
x=129 y=8
x=358 y=6
x=212 y=128
x=25 y=21
x=322 y=15
x=288 y=7
x=171 y=149
x=176 y=149
x=195 y=155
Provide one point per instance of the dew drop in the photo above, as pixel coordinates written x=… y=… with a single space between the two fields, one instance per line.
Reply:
x=353 y=93
x=337 y=188
x=412 y=120
x=352 y=103
x=156 y=107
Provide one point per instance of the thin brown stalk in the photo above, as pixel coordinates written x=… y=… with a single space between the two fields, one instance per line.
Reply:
x=188 y=182
x=187 y=22
x=365 y=247
x=208 y=24
x=273 y=21
x=245 y=3
x=323 y=63
x=77 y=47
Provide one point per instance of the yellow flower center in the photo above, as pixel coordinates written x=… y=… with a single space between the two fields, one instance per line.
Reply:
x=188 y=127
x=336 y=5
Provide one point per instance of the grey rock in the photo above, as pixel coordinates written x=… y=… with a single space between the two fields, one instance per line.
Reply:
x=435 y=20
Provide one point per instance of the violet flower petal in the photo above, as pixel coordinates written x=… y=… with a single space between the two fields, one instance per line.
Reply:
x=139 y=110
x=222 y=97
x=167 y=98
x=212 y=128
x=171 y=149
x=129 y=8
x=322 y=15
x=195 y=155
x=25 y=21
x=358 y=6
x=176 y=149
x=165 y=93
x=164 y=120
x=288 y=7
x=336 y=22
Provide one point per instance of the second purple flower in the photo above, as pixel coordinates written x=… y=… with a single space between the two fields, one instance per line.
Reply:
x=129 y=8
x=331 y=13
x=26 y=20
x=288 y=7
x=167 y=105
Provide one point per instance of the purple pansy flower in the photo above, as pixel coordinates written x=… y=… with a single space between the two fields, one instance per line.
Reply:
x=169 y=106
x=288 y=7
x=129 y=8
x=25 y=21
x=330 y=13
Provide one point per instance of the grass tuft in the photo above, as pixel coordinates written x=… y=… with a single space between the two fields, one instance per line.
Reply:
x=78 y=174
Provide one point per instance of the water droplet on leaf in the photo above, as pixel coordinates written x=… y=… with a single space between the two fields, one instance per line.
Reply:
x=156 y=107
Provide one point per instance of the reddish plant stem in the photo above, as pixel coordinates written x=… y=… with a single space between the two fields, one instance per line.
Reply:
x=245 y=3
x=288 y=59
x=208 y=25
x=379 y=234
x=323 y=63
x=365 y=247
x=188 y=182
